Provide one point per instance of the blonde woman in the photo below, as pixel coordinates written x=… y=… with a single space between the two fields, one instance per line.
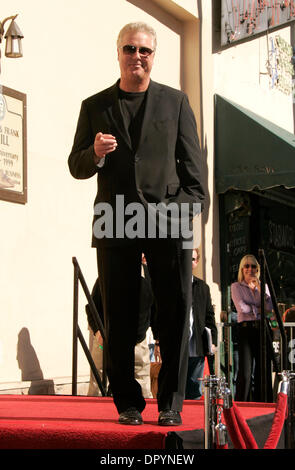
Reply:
x=246 y=296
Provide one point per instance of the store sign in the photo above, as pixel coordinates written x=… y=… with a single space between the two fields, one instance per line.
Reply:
x=241 y=19
x=279 y=65
x=281 y=236
x=13 y=139
x=238 y=241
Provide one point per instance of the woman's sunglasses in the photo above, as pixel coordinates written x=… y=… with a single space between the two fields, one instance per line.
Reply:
x=247 y=266
x=130 y=50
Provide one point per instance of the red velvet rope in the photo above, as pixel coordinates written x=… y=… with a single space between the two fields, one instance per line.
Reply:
x=245 y=430
x=233 y=428
x=240 y=432
x=278 y=422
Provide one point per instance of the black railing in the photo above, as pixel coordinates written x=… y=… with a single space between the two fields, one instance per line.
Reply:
x=77 y=334
x=265 y=278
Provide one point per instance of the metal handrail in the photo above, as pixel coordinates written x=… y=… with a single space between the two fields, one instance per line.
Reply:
x=77 y=334
x=266 y=279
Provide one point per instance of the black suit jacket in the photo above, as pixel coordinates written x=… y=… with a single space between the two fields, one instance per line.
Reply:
x=203 y=313
x=166 y=166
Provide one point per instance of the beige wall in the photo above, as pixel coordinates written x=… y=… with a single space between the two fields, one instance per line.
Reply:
x=240 y=75
x=69 y=54
x=211 y=216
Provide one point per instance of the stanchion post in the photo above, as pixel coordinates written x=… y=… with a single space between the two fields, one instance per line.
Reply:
x=263 y=330
x=287 y=386
x=290 y=420
x=210 y=412
x=75 y=329
x=217 y=395
x=206 y=384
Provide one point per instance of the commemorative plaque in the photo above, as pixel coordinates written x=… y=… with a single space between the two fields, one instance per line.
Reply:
x=13 y=142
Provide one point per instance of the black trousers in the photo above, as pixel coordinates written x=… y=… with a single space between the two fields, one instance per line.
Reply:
x=170 y=268
x=248 y=386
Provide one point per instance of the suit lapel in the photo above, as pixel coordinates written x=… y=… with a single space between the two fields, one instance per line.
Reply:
x=151 y=105
x=115 y=115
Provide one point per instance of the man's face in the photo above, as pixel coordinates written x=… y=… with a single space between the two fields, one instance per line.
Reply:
x=135 y=67
x=194 y=259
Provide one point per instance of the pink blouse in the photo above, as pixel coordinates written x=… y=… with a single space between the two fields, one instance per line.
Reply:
x=247 y=301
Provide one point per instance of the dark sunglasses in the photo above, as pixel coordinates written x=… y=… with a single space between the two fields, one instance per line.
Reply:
x=130 y=50
x=253 y=266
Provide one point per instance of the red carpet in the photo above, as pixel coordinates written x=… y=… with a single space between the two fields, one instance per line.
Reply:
x=68 y=422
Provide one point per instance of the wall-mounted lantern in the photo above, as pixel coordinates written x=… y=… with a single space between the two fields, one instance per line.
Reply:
x=13 y=38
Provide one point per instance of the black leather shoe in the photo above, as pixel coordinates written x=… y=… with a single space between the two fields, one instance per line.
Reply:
x=169 y=418
x=130 y=416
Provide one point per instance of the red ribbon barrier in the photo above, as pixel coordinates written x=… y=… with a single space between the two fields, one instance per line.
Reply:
x=233 y=428
x=245 y=430
x=278 y=422
x=240 y=433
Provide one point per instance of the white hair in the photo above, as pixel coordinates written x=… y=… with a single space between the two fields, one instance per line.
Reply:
x=137 y=27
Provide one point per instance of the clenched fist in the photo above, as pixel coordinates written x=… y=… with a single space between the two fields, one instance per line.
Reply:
x=103 y=144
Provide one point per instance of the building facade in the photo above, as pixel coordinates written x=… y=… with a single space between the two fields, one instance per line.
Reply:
x=69 y=54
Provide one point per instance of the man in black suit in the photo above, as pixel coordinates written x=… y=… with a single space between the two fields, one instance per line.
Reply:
x=146 y=319
x=202 y=316
x=140 y=138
